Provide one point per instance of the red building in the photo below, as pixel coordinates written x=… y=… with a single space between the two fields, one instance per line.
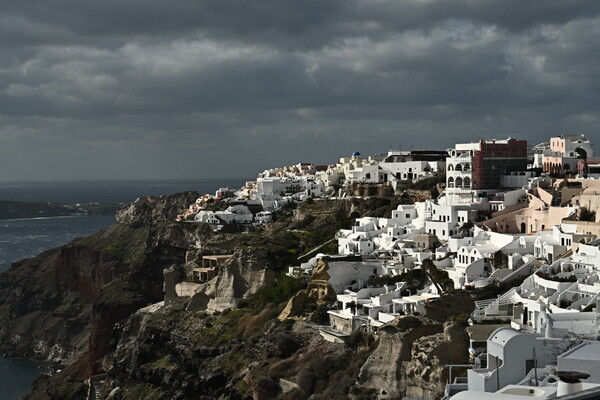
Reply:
x=480 y=165
x=496 y=158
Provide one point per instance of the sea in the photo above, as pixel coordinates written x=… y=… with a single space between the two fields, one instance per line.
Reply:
x=24 y=238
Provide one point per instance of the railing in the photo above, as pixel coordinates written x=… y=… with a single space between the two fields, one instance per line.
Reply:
x=489 y=304
x=552 y=153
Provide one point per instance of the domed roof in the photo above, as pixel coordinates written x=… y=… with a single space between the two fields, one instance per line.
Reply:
x=356 y=153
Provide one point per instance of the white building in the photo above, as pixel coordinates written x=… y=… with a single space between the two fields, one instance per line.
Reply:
x=370 y=234
x=238 y=214
x=275 y=192
x=510 y=356
x=444 y=221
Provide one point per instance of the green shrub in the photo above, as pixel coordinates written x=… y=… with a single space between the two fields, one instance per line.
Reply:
x=359 y=338
x=286 y=344
x=461 y=319
x=408 y=322
x=282 y=290
x=320 y=315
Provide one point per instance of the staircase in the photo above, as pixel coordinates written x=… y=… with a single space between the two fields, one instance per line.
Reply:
x=491 y=306
x=97 y=387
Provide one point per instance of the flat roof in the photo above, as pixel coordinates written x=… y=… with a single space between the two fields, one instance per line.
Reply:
x=589 y=351
x=481 y=332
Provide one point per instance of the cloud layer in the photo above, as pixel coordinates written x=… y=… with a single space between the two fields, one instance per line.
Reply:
x=147 y=89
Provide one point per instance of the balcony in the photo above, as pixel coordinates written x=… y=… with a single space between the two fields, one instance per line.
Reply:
x=551 y=153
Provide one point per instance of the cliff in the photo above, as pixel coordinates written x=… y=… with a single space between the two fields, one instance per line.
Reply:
x=95 y=305
x=62 y=305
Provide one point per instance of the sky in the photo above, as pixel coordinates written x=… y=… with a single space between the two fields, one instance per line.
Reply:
x=183 y=89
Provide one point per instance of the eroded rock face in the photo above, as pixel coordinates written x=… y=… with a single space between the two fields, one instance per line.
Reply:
x=244 y=274
x=424 y=374
x=63 y=303
x=319 y=291
x=410 y=358
x=96 y=287
x=155 y=210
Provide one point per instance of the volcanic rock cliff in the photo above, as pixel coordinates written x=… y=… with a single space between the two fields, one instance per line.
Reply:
x=63 y=304
x=94 y=305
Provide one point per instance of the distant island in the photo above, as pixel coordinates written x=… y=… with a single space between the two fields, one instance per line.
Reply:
x=24 y=209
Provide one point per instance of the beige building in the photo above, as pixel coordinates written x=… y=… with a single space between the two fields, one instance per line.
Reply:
x=537 y=216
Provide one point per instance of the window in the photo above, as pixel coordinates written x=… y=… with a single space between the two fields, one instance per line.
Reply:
x=407 y=215
x=368 y=176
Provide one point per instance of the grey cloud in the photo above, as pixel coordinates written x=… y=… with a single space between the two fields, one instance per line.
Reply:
x=144 y=89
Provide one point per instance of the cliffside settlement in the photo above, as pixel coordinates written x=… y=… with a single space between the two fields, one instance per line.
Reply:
x=466 y=273
x=500 y=214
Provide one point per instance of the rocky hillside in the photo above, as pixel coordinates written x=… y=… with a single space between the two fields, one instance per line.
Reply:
x=91 y=306
x=170 y=353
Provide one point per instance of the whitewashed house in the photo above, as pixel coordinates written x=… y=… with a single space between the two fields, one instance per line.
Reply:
x=444 y=221
x=510 y=356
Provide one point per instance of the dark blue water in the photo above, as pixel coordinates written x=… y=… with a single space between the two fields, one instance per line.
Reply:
x=25 y=238
x=17 y=376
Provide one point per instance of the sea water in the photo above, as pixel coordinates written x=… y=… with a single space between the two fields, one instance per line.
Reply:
x=24 y=238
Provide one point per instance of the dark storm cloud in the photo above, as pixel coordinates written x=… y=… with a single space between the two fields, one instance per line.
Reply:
x=118 y=89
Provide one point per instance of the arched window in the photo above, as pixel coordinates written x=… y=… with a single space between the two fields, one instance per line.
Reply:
x=458 y=167
x=467 y=183
x=451 y=182
x=459 y=182
x=450 y=167
x=467 y=167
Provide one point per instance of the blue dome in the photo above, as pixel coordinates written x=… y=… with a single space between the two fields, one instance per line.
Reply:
x=356 y=153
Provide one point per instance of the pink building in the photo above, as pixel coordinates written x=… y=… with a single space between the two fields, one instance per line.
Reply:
x=561 y=157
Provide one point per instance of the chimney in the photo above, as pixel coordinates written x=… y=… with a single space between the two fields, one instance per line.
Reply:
x=570 y=382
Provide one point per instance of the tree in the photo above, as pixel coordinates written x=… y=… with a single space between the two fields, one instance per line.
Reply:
x=582 y=154
x=565 y=344
x=500 y=260
x=583 y=214
x=438 y=277
x=465 y=227
x=352 y=306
